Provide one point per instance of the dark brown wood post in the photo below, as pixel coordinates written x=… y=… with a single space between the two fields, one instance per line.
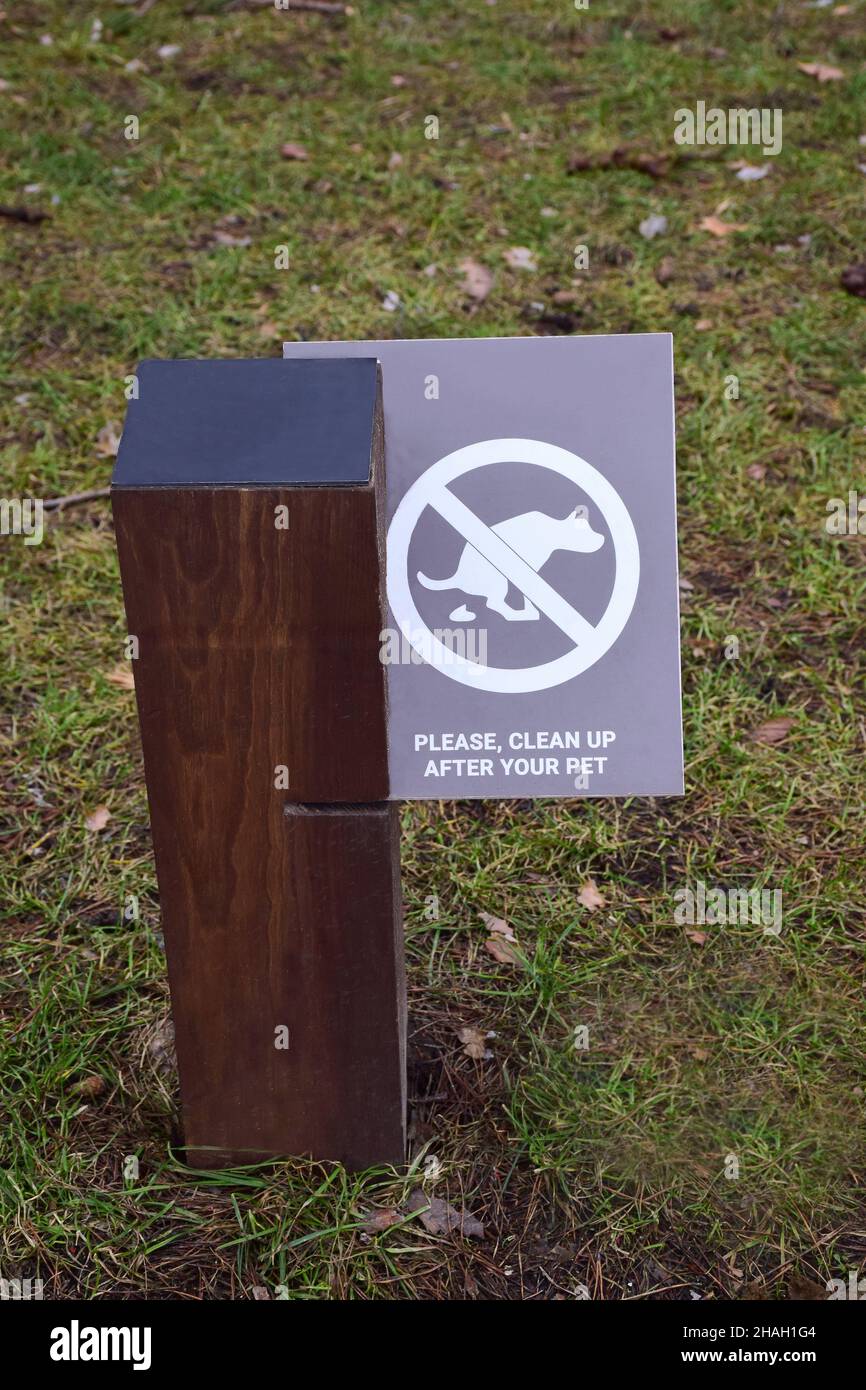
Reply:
x=249 y=505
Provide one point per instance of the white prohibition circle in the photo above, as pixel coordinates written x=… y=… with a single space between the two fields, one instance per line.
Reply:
x=513 y=680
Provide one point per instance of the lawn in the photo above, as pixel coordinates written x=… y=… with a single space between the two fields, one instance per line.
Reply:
x=658 y=1110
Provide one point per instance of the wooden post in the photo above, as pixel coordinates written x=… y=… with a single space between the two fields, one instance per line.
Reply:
x=249 y=505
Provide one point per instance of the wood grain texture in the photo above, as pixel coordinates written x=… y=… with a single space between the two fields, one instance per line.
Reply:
x=258 y=648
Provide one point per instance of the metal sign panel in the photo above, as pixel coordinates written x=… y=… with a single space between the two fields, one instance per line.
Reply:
x=532 y=568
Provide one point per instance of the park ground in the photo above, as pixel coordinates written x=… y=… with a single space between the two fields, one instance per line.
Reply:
x=609 y=1170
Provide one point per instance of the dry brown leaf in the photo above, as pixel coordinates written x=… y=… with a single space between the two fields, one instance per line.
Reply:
x=657 y=166
x=98 y=819
x=108 y=439
x=90 y=1086
x=290 y=150
x=477 y=280
x=717 y=227
x=590 y=896
x=380 y=1219
x=698 y=937
x=440 y=1217
x=122 y=676
x=774 y=731
x=665 y=270
x=474 y=1043
x=161 y=1048
x=269 y=330
x=823 y=71
x=502 y=950
x=497 y=925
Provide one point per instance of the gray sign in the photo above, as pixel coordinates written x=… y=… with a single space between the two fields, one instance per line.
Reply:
x=532 y=566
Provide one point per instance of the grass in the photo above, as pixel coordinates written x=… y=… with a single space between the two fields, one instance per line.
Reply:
x=601 y=1168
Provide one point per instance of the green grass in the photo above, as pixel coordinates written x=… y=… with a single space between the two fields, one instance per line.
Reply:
x=604 y=1167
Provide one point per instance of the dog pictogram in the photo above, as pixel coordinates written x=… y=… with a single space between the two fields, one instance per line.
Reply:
x=533 y=536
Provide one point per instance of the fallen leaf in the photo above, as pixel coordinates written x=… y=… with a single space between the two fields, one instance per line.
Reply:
x=122 y=676
x=717 y=227
x=497 y=925
x=756 y=471
x=665 y=270
x=439 y=1217
x=292 y=151
x=503 y=951
x=622 y=158
x=91 y=1086
x=380 y=1219
x=590 y=896
x=823 y=71
x=477 y=280
x=161 y=1048
x=474 y=1043
x=98 y=819
x=654 y=225
x=854 y=280
x=774 y=731
x=702 y=325
x=520 y=258
x=108 y=439
x=698 y=937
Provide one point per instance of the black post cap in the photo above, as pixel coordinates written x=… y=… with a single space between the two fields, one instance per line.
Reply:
x=264 y=423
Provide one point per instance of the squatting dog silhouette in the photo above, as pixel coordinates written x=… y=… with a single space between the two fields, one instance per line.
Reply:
x=535 y=537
